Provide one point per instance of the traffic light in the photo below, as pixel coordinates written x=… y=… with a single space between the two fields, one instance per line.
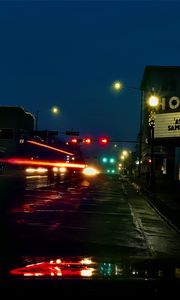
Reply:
x=104 y=159
x=74 y=141
x=87 y=141
x=112 y=160
x=103 y=140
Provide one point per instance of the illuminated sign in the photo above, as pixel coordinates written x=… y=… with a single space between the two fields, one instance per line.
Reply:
x=167 y=125
x=171 y=104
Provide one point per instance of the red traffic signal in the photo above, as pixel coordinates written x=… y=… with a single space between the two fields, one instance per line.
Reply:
x=103 y=140
x=87 y=141
x=74 y=140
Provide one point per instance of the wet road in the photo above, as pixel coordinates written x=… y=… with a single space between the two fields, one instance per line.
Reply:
x=104 y=213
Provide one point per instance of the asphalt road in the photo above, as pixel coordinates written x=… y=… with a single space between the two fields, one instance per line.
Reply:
x=103 y=215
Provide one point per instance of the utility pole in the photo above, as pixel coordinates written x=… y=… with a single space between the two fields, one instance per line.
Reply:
x=140 y=132
x=152 y=158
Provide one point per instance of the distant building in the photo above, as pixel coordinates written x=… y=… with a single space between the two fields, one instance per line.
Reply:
x=15 y=124
x=164 y=81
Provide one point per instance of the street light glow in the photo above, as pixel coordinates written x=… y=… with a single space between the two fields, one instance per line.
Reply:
x=153 y=101
x=125 y=152
x=55 y=110
x=117 y=85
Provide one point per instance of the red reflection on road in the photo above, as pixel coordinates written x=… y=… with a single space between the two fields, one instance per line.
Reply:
x=56 y=268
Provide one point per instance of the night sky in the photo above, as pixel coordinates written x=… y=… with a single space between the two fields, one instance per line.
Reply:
x=69 y=53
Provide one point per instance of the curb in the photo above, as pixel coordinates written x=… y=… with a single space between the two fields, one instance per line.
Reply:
x=160 y=207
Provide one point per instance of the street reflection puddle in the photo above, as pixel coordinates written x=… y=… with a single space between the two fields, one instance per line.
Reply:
x=57 y=268
x=75 y=267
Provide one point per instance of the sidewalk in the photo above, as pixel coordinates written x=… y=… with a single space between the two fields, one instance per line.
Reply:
x=165 y=197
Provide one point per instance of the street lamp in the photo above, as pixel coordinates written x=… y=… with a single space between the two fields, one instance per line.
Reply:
x=117 y=86
x=125 y=153
x=54 y=111
x=153 y=102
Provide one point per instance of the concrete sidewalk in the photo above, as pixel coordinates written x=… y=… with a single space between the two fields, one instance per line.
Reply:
x=165 y=197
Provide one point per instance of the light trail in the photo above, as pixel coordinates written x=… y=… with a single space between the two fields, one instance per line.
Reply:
x=29 y=162
x=49 y=147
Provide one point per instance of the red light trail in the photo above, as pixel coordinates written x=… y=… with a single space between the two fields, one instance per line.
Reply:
x=29 y=162
x=49 y=147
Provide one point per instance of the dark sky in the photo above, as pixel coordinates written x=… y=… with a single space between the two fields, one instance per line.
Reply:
x=69 y=53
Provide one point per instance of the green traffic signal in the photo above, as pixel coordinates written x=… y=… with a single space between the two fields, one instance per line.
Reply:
x=111 y=160
x=110 y=171
x=104 y=159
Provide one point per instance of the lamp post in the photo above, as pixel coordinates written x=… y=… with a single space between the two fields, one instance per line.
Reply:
x=140 y=132
x=153 y=102
x=117 y=86
x=54 y=111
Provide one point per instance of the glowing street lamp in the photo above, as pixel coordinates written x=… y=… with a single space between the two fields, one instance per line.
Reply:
x=117 y=85
x=153 y=102
x=55 y=110
x=125 y=153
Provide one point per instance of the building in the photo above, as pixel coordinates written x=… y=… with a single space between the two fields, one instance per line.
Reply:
x=163 y=81
x=15 y=124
